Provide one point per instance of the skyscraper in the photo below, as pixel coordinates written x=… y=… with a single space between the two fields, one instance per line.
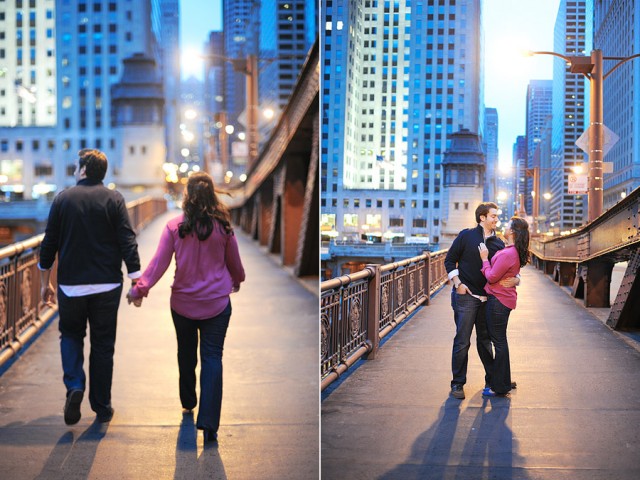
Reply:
x=288 y=28
x=570 y=38
x=241 y=27
x=397 y=79
x=617 y=33
x=170 y=65
x=91 y=41
x=491 y=154
x=539 y=107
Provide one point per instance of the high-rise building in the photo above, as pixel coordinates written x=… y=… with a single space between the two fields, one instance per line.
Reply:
x=170 y=65
x=519 y=166
x=539 y=108
x=288 y=29
x=398 y=78
x=617 y=33
x=88 y=44
x=27 y=64
x=241 y=27
x=491 y=154
x=569 y=116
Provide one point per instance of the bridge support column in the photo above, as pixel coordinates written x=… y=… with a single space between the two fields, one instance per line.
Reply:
x=373 y=310
x=624 y=312
x=598 y=283
x=292 y=207
x=566 y=273
x=549 y=267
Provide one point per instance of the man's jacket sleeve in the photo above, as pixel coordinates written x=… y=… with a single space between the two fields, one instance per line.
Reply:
x=51 y=240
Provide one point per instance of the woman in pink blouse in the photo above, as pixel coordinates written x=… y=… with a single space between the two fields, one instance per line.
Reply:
x=208 y=269
x=501 y=300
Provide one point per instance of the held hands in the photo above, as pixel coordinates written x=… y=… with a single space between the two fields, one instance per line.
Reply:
x=131 y=299
x=484 y=252
x=48 y=295
x=510 y=282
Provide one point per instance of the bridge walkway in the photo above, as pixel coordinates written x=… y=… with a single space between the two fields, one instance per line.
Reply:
x=575 y=414
x=269 y=427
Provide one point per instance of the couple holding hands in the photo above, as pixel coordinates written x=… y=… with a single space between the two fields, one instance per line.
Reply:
x=90 y=233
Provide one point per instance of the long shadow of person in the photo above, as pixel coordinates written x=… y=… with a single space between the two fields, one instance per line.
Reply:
x=489 y=449
x=430 y=453
x=74 y=459
x=188 y=465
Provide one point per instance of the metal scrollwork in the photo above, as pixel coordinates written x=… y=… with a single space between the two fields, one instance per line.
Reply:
x=325 y=326
x=411 y=284
x=3 y=306
x=25 y=289
x=385 y=301
x=354 y=317
x=400 y=292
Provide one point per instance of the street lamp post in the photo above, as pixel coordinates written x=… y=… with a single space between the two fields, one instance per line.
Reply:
x=249 y=67
x=592 y=68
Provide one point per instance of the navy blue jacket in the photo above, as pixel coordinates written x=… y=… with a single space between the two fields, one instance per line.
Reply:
x=90 y=230
x=465 y=256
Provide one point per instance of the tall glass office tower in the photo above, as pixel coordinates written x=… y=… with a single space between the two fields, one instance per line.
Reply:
x=397 y=78
x=616 y=31
x=569 y=113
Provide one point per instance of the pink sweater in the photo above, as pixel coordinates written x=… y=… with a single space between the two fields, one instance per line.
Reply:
x=505 y=263
x=206 y=271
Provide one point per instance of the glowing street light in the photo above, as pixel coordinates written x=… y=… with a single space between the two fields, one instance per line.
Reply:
x=592 y=68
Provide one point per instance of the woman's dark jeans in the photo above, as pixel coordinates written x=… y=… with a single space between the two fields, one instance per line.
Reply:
x=212 y=334
x=497 y=320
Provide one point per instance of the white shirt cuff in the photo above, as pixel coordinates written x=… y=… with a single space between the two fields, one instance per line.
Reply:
x=453 y=273
x=43 y=269
x=134 y=275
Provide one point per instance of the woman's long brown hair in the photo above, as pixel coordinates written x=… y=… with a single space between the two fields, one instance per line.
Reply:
x=202 y=208
x=520 y=229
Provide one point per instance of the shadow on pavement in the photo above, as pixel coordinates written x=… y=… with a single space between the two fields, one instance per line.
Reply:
x=489 y=449
x=188 y=464
x=74 y=459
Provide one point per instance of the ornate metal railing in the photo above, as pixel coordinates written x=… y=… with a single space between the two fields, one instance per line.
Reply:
x=359 y=310
x=22 y=314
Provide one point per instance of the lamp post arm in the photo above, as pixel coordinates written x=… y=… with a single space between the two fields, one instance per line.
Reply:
x=623 y=60
x=564 y=57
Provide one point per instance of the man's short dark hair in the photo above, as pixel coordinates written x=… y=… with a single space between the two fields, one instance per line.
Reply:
x=95 y=163
x=483 y=209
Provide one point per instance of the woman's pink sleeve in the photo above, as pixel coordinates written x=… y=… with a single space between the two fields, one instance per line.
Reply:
x=232 y=259
x=157 y=266
x=494 y=273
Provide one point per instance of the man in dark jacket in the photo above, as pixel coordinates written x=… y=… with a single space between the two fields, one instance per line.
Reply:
x=90 y=231
x=464 y=268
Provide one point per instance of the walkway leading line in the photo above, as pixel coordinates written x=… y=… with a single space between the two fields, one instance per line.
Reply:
x=574 y=415
x=269 y=427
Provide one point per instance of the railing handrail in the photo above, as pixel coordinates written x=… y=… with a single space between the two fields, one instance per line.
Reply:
x=616 y=230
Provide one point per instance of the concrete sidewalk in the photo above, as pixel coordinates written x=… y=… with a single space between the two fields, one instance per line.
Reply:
x=269 y=427
x=575 y=414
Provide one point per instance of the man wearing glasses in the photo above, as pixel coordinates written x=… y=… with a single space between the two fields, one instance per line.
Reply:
x=90 y=231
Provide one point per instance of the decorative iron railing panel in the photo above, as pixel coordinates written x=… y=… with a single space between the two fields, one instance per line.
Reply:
x=358 y=310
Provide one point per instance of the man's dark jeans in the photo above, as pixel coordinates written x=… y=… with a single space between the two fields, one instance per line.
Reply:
x=212 y=334
x=497 y=320
x=467 y=312
x=101 y=311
